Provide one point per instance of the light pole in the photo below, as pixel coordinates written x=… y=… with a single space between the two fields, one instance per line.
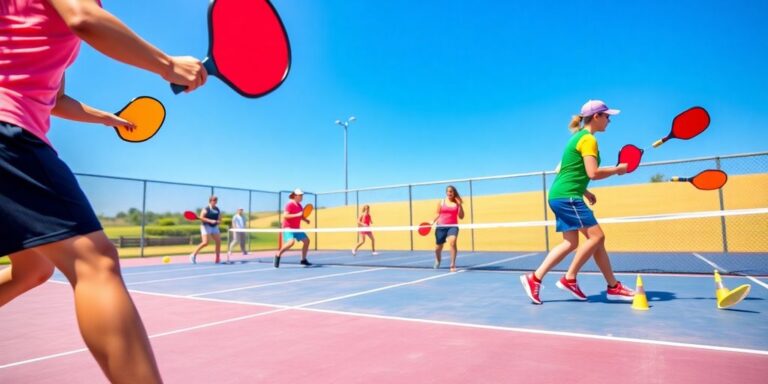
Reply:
x=346 y=124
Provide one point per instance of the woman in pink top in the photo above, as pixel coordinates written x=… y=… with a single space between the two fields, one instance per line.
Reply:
x=46 y=219
x=365 y=221
x=449 y=211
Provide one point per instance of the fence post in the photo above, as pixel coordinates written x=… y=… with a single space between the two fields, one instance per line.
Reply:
x=410 y=212
x=143 y=218
x=544 y=194
x=722 y=208
x=248 y=222
x=317 y=235
x=472 y=214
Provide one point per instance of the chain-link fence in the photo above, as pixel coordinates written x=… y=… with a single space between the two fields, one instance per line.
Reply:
x=144 y=217
x=522 y=198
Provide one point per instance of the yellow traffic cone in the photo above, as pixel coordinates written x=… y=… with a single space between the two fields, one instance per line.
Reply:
x=727 y=298
x=639 y=301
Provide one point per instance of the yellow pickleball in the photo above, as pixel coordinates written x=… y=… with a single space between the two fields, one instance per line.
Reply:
x=166 y=260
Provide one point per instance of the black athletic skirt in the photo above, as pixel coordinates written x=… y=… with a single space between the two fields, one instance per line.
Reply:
x=40 y=200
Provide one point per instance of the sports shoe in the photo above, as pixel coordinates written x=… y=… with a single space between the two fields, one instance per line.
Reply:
x=437 y=264
x=620 y=292
x=193 y=258
x=354 y=252
x=276 y=262
x=572 y=287
x=305 y=262
x=374 y=253
x=453 y=269
x=531 y=287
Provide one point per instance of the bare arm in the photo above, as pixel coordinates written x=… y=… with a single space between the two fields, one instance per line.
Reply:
x=108 y=35
x=595 y=173
x=437 y=214
x=68 y=108
x=292 y=215
x=205 y=219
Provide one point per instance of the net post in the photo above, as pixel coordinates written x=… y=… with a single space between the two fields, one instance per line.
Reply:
x=143 y=217
x=357 y=212
x=471 y=214
x=315 y=219
x=723 y=231
x=279 y=220
x=248 y=221
x=544 y=194
x=410 y=212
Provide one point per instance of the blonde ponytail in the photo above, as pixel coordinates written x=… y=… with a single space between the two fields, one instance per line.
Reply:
x=575 y=124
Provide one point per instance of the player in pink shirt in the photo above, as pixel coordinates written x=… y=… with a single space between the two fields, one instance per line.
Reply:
x=365 y=221
x=449 y=211
x=46 y=219
x=292 y=218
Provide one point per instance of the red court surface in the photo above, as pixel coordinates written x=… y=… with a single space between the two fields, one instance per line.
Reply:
x=198 y=341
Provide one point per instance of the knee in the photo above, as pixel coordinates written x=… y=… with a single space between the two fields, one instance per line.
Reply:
x=599 y=238
x=571 y=246
x=99 y=262
x=39 y=275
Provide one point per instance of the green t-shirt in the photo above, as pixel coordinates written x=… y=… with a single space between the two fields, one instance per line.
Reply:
x=572 y=179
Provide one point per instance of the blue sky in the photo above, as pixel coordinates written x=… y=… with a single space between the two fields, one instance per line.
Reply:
x=441 y=89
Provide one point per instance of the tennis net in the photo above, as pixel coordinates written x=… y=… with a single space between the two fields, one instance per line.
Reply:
x=731 y=241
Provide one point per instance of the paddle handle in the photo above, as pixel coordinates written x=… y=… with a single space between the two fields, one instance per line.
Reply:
x=210 y=68
x=678 y=178
x=660 y=142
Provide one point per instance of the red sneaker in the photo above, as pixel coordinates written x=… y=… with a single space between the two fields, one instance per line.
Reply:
x=620 y=292
x=531 y=287
x=572 y=287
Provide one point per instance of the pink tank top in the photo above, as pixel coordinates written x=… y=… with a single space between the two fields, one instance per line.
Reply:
x=367 y=220
x=448 y=214
x=36 y=47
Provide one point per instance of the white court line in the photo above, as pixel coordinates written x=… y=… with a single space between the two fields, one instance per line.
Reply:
x=283 y=309
x=704 y=259
x=198 y=276
x=303 y=307
x=166 y=271
x=282 y=282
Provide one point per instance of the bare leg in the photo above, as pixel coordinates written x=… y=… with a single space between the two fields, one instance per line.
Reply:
x=286 y=247
x=217 y=242
x=558 y=253
x=452 y=244
x=203 y=244
x=438 y=254
x=595 y=238
x=304 y=248
x=373 y=242
x=360 y=244
x=109 y=322
x=28 y=270
x=604 y=263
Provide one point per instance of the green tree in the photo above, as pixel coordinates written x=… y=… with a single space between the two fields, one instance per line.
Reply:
x=657 y=178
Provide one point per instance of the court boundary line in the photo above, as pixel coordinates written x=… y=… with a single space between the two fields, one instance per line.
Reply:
x=712 y=263
x=304 y=307
x=253 y=270
x=245 y=317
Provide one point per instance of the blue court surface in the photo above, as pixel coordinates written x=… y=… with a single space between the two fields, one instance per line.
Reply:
x=683 y=307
